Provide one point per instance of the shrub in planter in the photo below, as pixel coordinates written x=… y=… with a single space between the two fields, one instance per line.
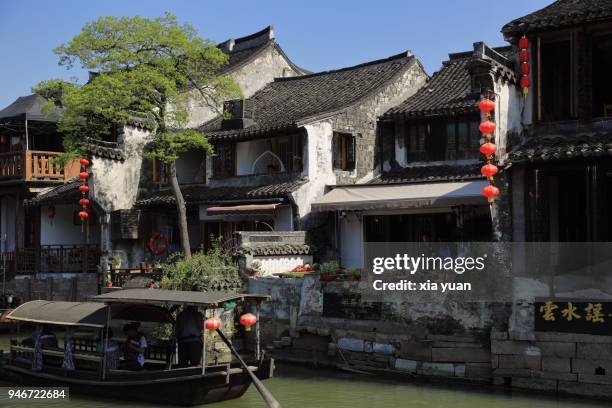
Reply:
x=329 y=270
x=352 y=274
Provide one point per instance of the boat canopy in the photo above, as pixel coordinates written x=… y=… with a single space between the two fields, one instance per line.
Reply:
x=175 y=297
x=86 y=314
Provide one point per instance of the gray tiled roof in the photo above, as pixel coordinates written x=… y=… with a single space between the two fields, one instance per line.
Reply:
x=448 y=91
x=245 y=49
x=275 y=249
x=563 y=147
x=64 y=193
x=289 y=102
x=31 y=107
x=204 y=194
x=431 y=173
x=561 y=13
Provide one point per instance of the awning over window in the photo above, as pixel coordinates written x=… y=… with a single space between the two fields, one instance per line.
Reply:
x=247 y=209
x=371 y=197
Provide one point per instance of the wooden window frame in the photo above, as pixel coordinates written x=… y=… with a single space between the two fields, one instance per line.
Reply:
x=159 y=171
x=341 y=147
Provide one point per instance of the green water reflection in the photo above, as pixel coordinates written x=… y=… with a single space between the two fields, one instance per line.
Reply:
x=298 y=387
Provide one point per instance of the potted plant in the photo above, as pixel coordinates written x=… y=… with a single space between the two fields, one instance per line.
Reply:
x=329 y=271
x=116 y=261
x=352 y=274
x=254 y=269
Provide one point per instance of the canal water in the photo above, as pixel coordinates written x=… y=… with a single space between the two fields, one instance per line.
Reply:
x=298 y=387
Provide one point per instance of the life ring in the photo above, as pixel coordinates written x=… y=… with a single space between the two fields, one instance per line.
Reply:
x=157 y=243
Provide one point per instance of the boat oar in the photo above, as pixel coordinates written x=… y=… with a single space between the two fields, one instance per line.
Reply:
x=265 y=394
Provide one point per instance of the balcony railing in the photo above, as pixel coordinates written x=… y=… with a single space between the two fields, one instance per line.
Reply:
x=53 y=259
x=34 y=165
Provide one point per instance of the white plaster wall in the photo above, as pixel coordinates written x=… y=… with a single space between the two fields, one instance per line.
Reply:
x=271 y=265
x=246 y=153
x=351 y=241
x=508 y=116
x=251 y=78
x=317 y=165
x=61 y=230
x=114 y=184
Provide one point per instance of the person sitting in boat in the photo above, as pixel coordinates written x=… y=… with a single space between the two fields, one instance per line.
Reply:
x=43 y=334
x=188 y=332
x=135 y=346
x=111 y=350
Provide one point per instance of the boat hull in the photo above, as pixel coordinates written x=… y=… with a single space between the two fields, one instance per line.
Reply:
x=187 y=391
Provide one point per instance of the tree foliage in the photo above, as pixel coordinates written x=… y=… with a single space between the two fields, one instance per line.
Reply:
x=204 y=271
x=142 y=68
x=145 y=70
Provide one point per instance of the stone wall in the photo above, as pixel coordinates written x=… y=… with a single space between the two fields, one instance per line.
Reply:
x=438 y=341
x=562 y=363
x=66 y=287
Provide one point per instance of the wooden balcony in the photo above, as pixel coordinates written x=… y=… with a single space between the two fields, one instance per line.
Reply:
x=34 y=165
x=54 y=259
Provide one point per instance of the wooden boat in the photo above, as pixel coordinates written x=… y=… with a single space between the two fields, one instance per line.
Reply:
x=161 y=381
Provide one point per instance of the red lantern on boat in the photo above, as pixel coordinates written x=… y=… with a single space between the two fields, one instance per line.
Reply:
x=248 y=320
x=51 y=212
x=488 y=149
x=84 y=202
x=487 y=127
x=486 y=105
x=84 y=175
x=84 y=162
x=84 y=189
x=490 y=192
x=213 y=324
x=489 y=170
x=83 y=215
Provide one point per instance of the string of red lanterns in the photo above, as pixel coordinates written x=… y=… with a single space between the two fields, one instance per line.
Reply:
x=84 y=189
x=488 y=148
x=524 y=59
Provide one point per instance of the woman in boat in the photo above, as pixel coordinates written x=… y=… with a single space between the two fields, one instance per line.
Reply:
x=135 y=346
x=188 y=334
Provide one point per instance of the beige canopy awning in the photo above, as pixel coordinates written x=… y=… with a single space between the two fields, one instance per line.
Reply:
x=247 y=209
x=372 y=197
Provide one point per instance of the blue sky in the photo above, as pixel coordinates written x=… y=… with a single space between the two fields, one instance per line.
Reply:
x=317 y=35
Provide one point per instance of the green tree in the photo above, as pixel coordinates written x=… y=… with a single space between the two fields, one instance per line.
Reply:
x=145 y=69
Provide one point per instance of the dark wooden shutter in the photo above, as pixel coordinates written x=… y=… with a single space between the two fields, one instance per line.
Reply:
x=337 y=162
x=350 y=152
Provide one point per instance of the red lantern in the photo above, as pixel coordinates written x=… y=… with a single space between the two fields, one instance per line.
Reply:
x=248 y=320
x=488 y=149
x=84 y=162
x=83 y=215
x=523 y=43
x=486 y=105
x=525 y=81
x=212 y=324
x=490 y=192
x=489 y=170
x=84 y=175
x=84 y=188
x=525 y=68
x=84 y=202
x=51 y=212
x=524 y=56
x=487 y=127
